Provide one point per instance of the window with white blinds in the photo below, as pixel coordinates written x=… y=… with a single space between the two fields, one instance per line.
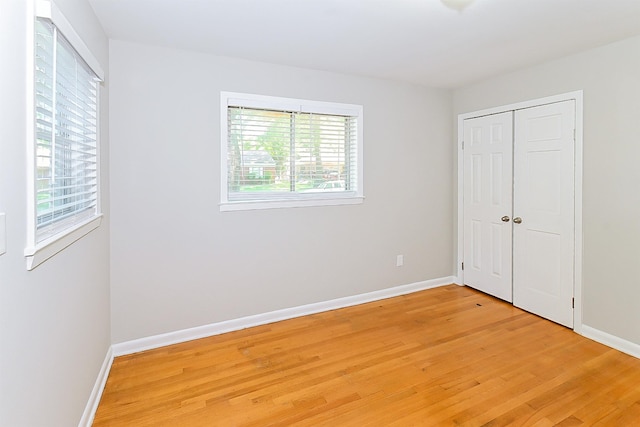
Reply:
x=66 y=134
x=281 y=152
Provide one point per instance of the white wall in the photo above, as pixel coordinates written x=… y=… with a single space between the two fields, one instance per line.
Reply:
x=178 y=262
x=610 y=78
x=54 y=320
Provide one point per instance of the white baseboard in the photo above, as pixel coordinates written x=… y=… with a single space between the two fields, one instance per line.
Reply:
x=161 y=340
x=611 y=340
x=94 y=399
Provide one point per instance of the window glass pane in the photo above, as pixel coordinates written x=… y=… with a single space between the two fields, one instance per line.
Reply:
x=320 y=151
x=66 y=134
x=274 y=154
x=44 y=99
x=259 y=150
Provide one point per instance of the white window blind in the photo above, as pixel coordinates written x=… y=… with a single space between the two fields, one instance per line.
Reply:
x=66 y=124
x=288 y=154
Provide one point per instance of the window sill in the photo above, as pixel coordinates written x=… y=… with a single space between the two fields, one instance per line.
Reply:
x=44 y=250
x=278 y=204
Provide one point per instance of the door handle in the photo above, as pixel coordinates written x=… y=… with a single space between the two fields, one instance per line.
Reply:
x=505 y=219
x=517 y=220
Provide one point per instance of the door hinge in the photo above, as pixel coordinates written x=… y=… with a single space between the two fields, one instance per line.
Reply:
x=573 y=303
x=574 y=135
x=463 y=145
x=463 y=266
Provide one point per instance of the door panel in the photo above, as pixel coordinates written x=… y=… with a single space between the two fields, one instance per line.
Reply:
x=543 y=189
x=487 y=198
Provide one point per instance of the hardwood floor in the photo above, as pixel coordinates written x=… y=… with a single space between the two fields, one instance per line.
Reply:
x=442 y=357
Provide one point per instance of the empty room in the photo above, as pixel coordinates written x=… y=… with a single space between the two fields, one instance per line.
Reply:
x=319 y=213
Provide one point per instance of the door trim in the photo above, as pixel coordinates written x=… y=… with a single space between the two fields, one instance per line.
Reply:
x=577 y=96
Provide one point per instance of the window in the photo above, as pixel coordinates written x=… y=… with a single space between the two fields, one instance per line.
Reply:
x=281 y=152
x=65 y=152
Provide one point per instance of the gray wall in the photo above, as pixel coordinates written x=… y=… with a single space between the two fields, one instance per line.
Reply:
x=54 y=320
x=178 y=262
x=610 y=78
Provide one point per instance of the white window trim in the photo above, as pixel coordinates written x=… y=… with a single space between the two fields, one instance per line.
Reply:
x=38 y=252
x=288 y=200
x=36 y=255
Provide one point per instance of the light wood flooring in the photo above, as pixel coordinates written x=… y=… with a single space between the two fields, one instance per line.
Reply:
x=442 y=357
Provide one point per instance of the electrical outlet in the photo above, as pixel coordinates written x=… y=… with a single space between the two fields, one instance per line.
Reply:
x=399 y=260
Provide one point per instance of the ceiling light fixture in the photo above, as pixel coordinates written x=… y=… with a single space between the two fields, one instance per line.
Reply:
x=458 y=5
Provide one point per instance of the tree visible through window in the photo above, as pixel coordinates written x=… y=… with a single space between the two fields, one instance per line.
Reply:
x=277 y=153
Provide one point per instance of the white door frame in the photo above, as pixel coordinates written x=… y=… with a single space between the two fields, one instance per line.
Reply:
x=577 y=96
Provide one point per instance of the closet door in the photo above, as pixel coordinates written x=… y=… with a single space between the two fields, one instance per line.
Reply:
x=487 y=151
x=543 y=223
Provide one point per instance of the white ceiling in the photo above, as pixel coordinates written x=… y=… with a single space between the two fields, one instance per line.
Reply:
x=418 y=41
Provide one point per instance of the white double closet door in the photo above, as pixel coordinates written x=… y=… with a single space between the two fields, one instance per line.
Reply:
x=519 y=208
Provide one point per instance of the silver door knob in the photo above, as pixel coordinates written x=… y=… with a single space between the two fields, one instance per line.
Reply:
x=505 y=219
x=517 y=220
